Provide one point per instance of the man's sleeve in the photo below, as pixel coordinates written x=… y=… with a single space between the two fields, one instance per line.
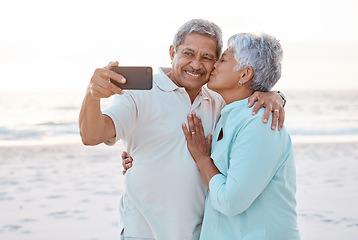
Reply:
x=123 y=112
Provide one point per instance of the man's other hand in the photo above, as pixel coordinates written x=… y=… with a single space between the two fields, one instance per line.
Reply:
x=272 y=102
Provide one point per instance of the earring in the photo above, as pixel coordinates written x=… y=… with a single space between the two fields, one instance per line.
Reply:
x=240 y=83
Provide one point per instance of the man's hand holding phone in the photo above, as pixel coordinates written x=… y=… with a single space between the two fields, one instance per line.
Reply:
x=101 y=86
x=112 y=79
x=138 y=78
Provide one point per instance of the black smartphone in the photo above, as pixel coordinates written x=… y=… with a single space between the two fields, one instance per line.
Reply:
x=138 y=78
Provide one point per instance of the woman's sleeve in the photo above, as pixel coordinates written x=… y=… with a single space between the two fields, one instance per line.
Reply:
x=254 y=158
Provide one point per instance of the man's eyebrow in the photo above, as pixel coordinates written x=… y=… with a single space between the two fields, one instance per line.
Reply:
x=188 y=49
x=210 y=55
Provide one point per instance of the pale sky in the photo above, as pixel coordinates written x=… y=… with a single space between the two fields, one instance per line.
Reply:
x=56 y=45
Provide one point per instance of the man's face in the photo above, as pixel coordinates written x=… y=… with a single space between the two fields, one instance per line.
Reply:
x=193 y=61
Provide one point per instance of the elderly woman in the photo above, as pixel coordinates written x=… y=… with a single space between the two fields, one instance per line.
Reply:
x=248 y=168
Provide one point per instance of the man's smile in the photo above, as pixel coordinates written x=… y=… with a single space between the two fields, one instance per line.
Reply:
x=194 y=73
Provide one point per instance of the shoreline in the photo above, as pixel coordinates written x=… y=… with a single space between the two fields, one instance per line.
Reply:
x=76 y=139
x=323 y=138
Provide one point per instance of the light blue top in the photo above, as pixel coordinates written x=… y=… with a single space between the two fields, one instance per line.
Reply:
x=254 y=197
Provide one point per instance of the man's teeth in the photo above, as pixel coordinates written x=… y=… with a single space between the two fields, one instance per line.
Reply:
x=192 y=74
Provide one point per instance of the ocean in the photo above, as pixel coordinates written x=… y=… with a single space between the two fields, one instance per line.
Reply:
x=52 y=117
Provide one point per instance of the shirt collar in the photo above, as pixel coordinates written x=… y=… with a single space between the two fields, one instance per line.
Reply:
x=237 y=104
x=167 y=85
x=163 y=81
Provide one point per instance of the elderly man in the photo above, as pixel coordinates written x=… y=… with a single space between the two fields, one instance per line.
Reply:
x=164 y=192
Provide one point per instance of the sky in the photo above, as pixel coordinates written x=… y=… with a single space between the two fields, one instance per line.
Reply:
x=57 y=45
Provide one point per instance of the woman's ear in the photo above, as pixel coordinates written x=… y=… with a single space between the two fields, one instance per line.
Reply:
x=247 y=74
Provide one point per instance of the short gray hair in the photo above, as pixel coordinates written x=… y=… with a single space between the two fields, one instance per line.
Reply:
x=263 y=53
x=202 y=27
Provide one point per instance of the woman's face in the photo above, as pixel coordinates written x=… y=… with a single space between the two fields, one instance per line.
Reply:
x=224 y=77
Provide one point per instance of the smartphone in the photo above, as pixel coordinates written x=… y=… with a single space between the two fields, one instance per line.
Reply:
x=138 y=78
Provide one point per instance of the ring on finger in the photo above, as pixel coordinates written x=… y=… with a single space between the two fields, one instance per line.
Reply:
x=276 y=110
x=192 y=133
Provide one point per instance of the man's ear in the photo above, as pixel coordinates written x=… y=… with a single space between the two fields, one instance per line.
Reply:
x=247 y=74
x=171 y=52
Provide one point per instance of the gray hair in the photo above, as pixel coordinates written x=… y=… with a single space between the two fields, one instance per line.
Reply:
x=263 y=53
x=202 y=27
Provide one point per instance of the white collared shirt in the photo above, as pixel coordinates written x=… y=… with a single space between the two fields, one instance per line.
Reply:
x=164 y=191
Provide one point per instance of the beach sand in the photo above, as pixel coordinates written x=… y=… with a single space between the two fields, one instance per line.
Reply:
x=69 y=191
x=327 y=190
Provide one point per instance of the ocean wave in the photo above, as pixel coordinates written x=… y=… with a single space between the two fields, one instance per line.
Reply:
x=38 y=132
x=56 y=123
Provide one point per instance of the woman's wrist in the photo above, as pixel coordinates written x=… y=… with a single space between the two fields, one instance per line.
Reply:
x=207 y=169
x=203 y=161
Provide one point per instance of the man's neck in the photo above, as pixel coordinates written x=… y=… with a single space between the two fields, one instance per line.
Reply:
x=192 y=94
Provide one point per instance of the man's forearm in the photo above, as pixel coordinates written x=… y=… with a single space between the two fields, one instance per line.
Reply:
x=91 y=121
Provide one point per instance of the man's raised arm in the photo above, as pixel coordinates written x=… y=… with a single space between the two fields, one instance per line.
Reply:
x=96 y=128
